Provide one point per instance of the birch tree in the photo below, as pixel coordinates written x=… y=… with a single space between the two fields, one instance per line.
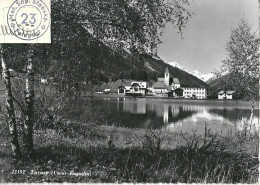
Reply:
x=10 y=107
x=242 y=63
x=135 y=25
x=29 y=106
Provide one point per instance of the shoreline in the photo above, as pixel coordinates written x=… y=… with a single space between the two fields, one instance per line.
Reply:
x=216 y=102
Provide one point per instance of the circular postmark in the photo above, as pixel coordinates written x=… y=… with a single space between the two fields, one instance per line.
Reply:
x=28 y=19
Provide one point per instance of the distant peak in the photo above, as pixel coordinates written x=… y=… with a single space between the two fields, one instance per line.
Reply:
x=204 y=77
x=176 y=64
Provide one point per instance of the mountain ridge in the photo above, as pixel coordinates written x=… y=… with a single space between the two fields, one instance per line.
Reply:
x=196 y=73
x=185 y=78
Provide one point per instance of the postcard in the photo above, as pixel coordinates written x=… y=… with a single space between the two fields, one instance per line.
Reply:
x=129 y=91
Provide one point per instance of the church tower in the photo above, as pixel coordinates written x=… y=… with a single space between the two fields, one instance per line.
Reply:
x=167 y=77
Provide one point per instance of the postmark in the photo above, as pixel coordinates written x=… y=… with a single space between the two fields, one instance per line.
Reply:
x=28 y=19
x=25 y=21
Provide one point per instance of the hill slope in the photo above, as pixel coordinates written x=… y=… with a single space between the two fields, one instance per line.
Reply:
x=76 y=56
x=218 y=82
x=185 y=78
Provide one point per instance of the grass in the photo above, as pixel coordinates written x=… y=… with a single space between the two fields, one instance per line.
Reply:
x=73 y=148
x=136 y=155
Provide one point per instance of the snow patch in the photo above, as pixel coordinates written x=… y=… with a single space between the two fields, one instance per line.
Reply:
x=203 y=77
x=198 y=74
x=176 y=64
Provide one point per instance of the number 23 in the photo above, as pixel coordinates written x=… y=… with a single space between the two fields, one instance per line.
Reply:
x=32 y=19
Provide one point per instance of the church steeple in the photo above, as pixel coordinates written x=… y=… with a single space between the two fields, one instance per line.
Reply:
x=167 y=77
x=167 y=70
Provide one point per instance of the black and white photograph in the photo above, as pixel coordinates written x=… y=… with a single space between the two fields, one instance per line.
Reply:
x=129 y=91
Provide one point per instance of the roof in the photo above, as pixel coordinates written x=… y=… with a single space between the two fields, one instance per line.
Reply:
x=116 y=84
x=227 y=92
x=192 y=86
x=135 y=84
x=176 y=81
x=113 y=91
x=167 y=70
x=121 y=86
x=160 y=85
x=221 y=92
x=230 y=92
x=127 y=82
x=160 y=80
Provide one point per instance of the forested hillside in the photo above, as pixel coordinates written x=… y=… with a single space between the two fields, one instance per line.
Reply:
x=77 y=56
x=218 y=82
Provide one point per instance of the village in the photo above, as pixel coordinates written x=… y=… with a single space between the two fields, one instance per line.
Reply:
x=165 y=87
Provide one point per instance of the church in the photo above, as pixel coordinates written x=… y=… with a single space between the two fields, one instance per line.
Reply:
x=166 y=84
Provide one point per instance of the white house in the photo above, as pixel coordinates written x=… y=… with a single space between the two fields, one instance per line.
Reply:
x=160 y=89
x=228 y=95
x=195 y=92
x=141 y=84
x=44 y=81
x=136 y=88
x=106 y=91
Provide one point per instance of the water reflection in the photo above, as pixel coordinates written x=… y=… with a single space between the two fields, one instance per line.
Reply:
x=178 y=116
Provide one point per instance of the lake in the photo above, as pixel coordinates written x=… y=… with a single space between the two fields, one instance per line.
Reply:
x=181 y=115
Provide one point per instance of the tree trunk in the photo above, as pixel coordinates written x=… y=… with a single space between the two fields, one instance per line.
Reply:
x=29 y=108
x=252 y=115
x=10 y=108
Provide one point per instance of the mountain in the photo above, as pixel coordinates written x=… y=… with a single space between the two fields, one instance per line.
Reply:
x=204 y=77
x=217 y=82
x=185 y=78
x=211 y=79
x=176 y=64
x=130 y=67
x=77 y=56
x=196 y=73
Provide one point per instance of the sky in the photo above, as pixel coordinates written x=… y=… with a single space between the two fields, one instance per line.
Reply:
x=205 y=35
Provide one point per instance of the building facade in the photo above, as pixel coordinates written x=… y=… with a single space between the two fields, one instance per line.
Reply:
x=195 y=92
x=212 y=93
